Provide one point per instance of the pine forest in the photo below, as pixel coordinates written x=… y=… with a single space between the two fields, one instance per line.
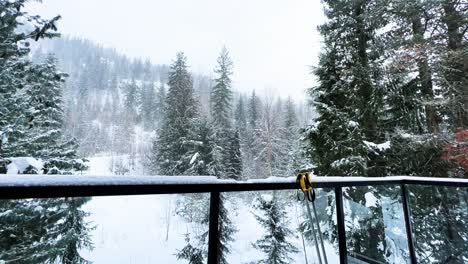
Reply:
x=387 y=95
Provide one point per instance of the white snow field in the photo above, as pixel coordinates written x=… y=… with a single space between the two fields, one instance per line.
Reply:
x=145 y=229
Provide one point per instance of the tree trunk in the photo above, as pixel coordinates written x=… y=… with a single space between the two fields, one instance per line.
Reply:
x=365 y=87
x=425 y=75
x=457 y=62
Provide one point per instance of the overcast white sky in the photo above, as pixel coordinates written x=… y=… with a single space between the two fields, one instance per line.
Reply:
x=272 y=42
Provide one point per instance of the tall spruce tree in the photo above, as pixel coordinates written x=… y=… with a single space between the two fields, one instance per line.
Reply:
x=221 y=106
x=252 y=167
x=29 y=228
x=267 y=146
x=44 y=230
x=274 y=243
x=240 y=116
x=44 y=137
x=233 y=161
x=174 y=147
x=148 y=105
x=291 y=156
x=204 y=160
x=349 y=95
x=453 y=50
x=13 y=65
x=418 y=144
x=349 y=101
x=221 y=94
x=160 y=104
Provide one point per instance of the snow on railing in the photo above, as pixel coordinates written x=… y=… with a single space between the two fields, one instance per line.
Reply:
x=9 y=180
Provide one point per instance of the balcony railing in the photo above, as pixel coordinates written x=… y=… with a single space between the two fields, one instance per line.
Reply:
x=38 y=186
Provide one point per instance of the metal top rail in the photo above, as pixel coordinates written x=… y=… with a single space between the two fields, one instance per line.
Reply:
x=48 y=186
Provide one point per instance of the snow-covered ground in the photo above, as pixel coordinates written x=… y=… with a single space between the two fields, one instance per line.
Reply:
x=145 y=229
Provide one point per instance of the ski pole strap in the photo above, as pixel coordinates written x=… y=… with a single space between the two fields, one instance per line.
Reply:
x=305 y=185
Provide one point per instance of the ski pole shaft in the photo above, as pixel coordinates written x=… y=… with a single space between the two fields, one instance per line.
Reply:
x=320 y=234
x=313 y=230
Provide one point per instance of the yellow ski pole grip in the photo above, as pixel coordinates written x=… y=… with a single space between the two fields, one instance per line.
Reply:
x=303 y=178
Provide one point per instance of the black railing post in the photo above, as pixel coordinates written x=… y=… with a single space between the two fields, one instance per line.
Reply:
x=213 y=233
x=341 y=225
x=408 y=225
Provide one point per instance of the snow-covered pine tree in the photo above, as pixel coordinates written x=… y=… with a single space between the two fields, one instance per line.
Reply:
x=412 y=112
x=44 y=230
x=204 y=159
x=273 y=218
x=27 y=230
x=221 y=108
x=425 y=104
x=148 y=105
x=71 y=234
x=268 y=146
x=160 y=104
x=349 y=102
x=14 y=46
x=240 y=120
x=348 y=98
x=291 y=158
x=252 y=168
x=131 y=100
x=227 y=229
x=452 y=48
x=221 y=94
x=192 y=254
x=253 y=110
x=44 y=138
x=240 y=117
x=173 y=148
x=234 y=168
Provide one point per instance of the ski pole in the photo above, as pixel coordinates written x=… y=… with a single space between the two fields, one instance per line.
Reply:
x=313 y=230
x=320 y=234
x=303 y=179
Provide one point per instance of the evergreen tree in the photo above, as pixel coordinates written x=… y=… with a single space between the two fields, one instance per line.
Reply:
x=274 y=244
x=453 y=52
x=348 y=98
x=240 y=117
x=174 y=147
x=252 y=167
x=253 y=110
x=71 y=232
x=14 y=46
x=30 y=102
x=44 y=230
x=349 y=101
x=233 y=162
x=221 y=94
x=190 y=253
x=291 y=155
x=227 y=229
x=44 y=138
x=160 y=104
x=203 y=161
x=267 y=146
x=131 y=100
x=148 y=105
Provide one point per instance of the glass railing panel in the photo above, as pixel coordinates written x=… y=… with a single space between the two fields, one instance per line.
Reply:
x=263 y=222
x=440 y=223
x=374 y=224
x=114 y=229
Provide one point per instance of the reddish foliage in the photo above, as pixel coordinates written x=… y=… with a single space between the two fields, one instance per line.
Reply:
x=458 y=151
